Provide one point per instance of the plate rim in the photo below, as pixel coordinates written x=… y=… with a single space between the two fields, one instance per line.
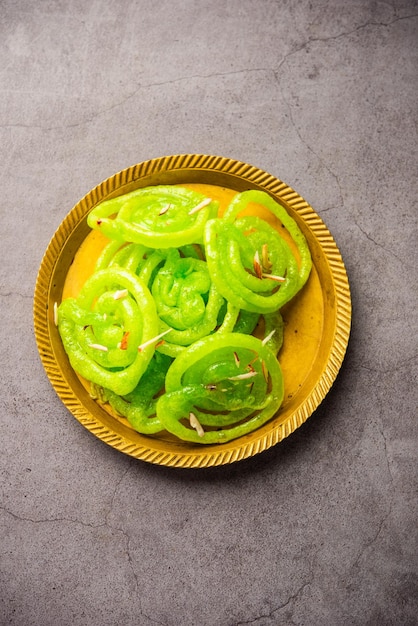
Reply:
x=202 y=455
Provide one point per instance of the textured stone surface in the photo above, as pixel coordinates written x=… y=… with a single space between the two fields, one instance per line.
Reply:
x=322 y=528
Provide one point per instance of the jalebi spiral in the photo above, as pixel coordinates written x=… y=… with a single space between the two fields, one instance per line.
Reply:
x=164 y=329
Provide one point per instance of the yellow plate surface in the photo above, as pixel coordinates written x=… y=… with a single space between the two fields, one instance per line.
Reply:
x=317 y=321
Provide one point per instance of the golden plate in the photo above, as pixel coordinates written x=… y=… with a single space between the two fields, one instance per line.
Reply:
x=317 y=321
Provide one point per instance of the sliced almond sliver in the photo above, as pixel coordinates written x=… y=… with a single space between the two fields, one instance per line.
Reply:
x=268 y=337
x=153 y=340
x=98 y=346
x=243 y=376
x=122 y=293
x=279 y=279
x=201 y=205
x=194 y=423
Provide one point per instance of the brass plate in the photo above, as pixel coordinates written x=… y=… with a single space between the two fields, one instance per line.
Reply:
x=317 y=321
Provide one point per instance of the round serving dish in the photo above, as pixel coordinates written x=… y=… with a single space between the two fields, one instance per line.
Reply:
x=317 y=321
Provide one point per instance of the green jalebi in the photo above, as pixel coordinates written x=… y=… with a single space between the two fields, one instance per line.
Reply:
x=164 y=329
x=159 y=217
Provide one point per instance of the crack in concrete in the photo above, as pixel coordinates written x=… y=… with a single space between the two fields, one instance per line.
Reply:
x=115 y=490
x=310 y=40
x=105 y=524
x=379 y=245
x=87 y=120
x=303 y=46
x=329 y=208
x=387 y=370
x=369 y=544
x=385 y=448
x=270 y=615
x=10 y=294
x=129 y=556
x=359 y=28
x=373 y=539
x=133 y=93
x=50 y=520
x=211 y=75
x=152 y=619
x=121 y=530
x=305 y=143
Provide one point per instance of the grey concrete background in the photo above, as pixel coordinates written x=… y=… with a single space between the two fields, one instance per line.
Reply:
x=322 y=529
